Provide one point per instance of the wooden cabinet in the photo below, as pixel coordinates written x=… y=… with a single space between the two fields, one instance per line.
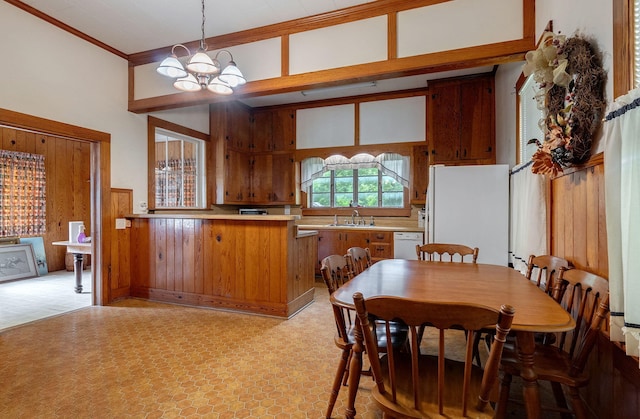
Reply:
x=284 y=130
x=262 y=128
x=338 y=241
x=420 y=175
x=283 y=179
x=261 y=178
x=461 y=121
x=252 y=163
x=237 y=178
x=238 y=126
x=273 y=130
x=273 y=178
x=381 y=245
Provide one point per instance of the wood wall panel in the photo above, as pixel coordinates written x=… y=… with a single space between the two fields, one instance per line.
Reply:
x=120 y=270
x=68 y=172
x=578 y=228
x=578 y=233
x=246 y=265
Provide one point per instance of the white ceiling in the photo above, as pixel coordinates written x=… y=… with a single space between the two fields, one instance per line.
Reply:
x=132 y=26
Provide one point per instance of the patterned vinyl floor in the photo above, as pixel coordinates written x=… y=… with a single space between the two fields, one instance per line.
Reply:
x=140 y=359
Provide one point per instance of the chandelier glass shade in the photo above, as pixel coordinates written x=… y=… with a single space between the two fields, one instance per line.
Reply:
x=201 y=71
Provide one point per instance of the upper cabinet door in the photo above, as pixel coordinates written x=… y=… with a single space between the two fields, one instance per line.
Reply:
x=284 y=130
x=443 y=124
x=262 y=131
x=461 y=121
x=238 y=126
x=477 y=132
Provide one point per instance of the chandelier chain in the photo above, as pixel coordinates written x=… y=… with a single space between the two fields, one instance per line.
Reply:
x=202 y=43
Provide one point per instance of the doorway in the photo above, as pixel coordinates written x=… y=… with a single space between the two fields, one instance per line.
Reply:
x=99 y=179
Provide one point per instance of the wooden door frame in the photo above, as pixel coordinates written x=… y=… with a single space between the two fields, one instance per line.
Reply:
x=100 y=189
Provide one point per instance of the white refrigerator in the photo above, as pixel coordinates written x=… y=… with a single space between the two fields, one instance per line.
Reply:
x=470 y=205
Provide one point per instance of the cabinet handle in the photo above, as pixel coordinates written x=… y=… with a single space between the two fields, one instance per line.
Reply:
x=465 y=152
x=489 y=149
x=433 y=151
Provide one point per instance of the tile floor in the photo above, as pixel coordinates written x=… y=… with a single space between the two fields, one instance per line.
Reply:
x=141 y=359
x=26 y=300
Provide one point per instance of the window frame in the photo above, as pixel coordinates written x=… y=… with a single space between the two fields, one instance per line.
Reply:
x=624 y=48
x=355 y=181
x=154 y=124
x=349 y=151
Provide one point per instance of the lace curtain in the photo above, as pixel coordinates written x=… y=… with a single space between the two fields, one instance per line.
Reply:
x=528 y=216
x=22 y=194
x=622 y=200
x=393 y=165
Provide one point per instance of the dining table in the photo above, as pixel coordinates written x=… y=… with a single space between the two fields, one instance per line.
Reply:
x=78 y=250
x=465 y=283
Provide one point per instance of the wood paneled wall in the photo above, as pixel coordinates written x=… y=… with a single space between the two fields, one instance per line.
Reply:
x=579 y=234
x=578 y=230
x=68 y=172
x=255 y=266
x=120 y=269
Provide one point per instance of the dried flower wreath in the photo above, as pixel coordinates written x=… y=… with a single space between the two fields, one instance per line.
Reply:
x=571 y=79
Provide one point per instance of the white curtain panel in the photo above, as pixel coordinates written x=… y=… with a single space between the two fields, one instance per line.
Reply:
x=622 y=198
x=528 y=222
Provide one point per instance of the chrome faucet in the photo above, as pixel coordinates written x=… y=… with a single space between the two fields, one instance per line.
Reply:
x=353 y=216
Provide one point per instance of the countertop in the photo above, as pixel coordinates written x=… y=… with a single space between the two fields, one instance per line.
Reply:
x=360 y=228
x=218 y=217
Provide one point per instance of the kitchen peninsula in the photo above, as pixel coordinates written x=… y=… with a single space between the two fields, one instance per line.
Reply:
x=253 y=263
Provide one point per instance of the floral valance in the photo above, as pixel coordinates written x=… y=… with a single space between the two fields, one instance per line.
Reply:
x=572 y=81
x=390 y=164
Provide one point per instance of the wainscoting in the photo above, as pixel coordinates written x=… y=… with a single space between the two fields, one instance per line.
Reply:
x=579 y=234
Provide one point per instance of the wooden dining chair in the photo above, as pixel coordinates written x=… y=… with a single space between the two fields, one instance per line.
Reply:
x=359 y=259
x=412 y=385
x=547 y=267
x=335 y=272
x=586 y=297
x=445 y=252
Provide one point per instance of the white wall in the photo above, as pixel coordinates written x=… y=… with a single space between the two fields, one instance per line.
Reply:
x=49 y=73
x=592 y=19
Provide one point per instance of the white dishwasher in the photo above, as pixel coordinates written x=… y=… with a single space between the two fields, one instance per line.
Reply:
x=404 y=244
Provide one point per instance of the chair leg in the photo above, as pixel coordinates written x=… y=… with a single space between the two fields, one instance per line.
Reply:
x=345 y=379
x=420 y=335
x=561 y=401
x=503 y=398
x=579 y=409
x=337 y=381
x=476 y=348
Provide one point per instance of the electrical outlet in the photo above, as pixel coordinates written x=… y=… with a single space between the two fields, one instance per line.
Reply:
x=121 y=223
